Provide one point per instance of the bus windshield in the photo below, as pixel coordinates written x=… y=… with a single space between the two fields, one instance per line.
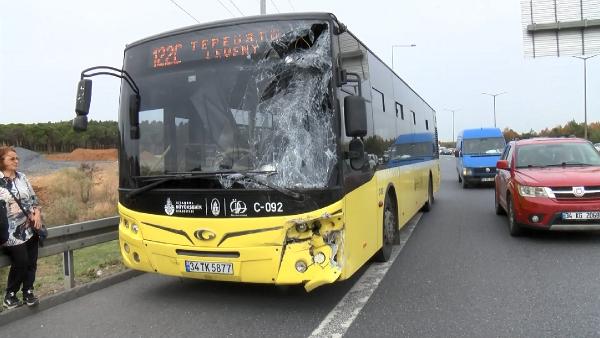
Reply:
x=246 y=97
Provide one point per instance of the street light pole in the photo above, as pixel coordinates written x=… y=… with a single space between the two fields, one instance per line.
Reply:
x=394 y=46
x=494 y=96
x=452 y=110
x=263 y=7
x=585 y=58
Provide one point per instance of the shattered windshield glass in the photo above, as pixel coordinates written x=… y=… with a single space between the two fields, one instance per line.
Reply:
x=248 y=97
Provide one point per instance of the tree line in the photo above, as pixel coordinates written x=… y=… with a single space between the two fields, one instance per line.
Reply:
x=572 y=128
x=53 y=137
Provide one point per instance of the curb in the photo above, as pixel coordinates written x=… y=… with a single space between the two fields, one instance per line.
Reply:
x=65 y=296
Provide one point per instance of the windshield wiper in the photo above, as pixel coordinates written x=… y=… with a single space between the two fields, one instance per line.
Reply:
x=565 y=164
x=484 y=154
x=252 y=176
x=158 y=180
x=531 y=166
x=233 y=175
x=175 y=176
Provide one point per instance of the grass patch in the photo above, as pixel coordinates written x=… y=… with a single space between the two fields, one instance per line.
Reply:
x=91 y=263
x=97 y=261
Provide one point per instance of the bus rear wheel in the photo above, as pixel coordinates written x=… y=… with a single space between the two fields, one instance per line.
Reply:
x=389 y=228
x=428 y=205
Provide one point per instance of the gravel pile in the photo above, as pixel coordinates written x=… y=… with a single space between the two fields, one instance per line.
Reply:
x=32 y=163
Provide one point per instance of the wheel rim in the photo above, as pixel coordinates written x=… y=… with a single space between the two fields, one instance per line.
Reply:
x=511 y=215
x=388 y=226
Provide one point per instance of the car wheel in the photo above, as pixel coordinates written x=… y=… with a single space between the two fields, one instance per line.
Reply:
x=389 y=231
x=513 y=227
x=465 y=185
x=430 y=199
x=499 y=209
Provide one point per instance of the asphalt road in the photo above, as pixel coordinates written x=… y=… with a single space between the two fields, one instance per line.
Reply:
x=462 y=274
x=459 y=274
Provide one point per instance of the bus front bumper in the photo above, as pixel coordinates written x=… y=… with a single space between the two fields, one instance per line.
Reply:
x=308 y=262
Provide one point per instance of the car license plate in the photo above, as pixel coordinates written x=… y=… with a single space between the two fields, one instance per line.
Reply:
x=581 y=215
x=209 y=267
x=487 y=179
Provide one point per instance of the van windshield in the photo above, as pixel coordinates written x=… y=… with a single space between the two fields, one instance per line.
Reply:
x=484 y=146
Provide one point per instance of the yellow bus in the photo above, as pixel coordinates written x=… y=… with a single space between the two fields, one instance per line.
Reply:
x=273 y=149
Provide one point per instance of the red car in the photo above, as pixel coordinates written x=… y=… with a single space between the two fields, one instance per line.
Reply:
x=550 y=184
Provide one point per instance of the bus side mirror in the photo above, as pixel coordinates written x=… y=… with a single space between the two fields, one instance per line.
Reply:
x=355 y=116
x=80 y=123
x=82 y=104
x=356 y=154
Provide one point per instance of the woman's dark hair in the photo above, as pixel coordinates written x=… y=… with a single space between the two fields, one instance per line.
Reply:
x=3 y=151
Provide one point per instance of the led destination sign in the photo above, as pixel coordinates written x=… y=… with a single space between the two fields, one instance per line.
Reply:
x=213 y=46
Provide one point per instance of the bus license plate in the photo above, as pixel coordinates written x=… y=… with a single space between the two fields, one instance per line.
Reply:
x=581 y=215
x=209 y=267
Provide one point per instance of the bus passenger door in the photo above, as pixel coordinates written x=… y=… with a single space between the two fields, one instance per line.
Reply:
x=361 y=212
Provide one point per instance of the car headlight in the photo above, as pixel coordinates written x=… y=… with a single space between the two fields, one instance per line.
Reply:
x=467 y=171
x=527 y=191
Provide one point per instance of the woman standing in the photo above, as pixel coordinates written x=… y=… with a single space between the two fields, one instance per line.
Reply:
x=24 y=218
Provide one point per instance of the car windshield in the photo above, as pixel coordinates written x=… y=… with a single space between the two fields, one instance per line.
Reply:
x=557 y=154
x=483 y=146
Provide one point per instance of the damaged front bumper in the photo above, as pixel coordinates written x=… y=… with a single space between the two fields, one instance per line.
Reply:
x=309 y=252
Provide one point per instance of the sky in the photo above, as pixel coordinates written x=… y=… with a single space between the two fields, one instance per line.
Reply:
x=463 y=48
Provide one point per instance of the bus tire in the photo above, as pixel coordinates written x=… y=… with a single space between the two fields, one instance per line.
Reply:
x=389 y=231
x=430 y=199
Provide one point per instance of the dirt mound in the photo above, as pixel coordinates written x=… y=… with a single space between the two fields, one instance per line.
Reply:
x=32 y=163
x=81 y=154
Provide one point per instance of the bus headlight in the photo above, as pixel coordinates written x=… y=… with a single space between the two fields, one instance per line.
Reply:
x=301 y=266
x=301 y=227
x=135 y=228
x=319 y=258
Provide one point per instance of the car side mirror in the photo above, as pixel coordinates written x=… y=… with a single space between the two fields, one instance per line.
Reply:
x=502 y=164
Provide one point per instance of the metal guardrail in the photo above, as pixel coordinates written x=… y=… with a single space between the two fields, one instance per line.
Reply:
x=66 y=238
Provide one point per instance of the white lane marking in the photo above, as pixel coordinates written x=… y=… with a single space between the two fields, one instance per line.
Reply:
x=337 y=322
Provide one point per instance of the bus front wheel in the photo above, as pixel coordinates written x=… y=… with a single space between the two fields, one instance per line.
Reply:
x=389 y=228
